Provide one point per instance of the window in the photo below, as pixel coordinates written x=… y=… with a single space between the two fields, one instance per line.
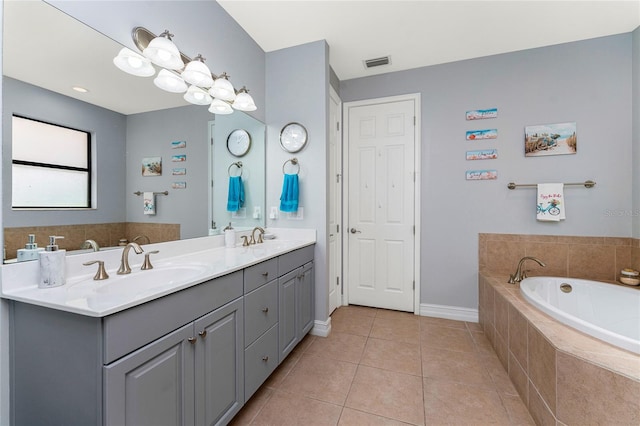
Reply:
x=51 y=165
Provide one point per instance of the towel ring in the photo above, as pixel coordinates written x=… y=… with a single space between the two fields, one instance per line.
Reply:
x=238 y=164
x=293 y=161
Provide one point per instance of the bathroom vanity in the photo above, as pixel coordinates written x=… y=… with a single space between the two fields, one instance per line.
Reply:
x=189 y=356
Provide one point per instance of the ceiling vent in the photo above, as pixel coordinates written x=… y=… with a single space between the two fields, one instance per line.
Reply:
x=377 y=62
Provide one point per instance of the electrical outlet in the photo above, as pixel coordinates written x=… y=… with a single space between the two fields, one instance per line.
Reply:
x=297 y=215
x=240 y=214
x=273 y=214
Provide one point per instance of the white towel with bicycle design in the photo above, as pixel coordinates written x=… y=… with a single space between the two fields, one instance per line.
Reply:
x=550 y=206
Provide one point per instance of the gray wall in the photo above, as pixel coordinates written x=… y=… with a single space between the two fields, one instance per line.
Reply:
x=588 y=82
x=636 y=133
x=150 y=135
x=108 y=142
x=297 y=81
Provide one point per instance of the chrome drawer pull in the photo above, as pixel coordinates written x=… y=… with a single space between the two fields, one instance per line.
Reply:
x=203 y=334
x=192 y=340
x=264 y=274
x=265 y=358
x=265 y=310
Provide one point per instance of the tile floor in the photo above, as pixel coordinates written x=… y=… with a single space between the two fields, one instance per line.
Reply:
x=381 y=367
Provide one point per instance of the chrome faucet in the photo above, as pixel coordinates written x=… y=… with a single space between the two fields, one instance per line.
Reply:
x=253 y=237
x=142 y=237
x=124 y=263
x=90 y=244
x=519 y=275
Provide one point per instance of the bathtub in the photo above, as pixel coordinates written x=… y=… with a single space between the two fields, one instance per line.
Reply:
x=605 y=311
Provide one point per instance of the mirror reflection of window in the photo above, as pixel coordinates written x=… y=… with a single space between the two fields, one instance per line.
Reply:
x=51 y=165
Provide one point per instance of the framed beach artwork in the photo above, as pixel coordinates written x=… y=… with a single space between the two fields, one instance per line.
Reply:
x=178 y=144
x=481 y=174
x=152 y=166
x=482 y=114
x=178 y=185
x=178 y=158
x=475 y=135
x=550 y=139
x=179 y=171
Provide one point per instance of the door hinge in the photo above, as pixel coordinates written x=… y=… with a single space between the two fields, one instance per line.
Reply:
x=212 y=141
x=337 y=281
x=414 y=120
x=338 y=178
x=337 y=125
x=414 y=230
x=338 y=228
x=414 y=285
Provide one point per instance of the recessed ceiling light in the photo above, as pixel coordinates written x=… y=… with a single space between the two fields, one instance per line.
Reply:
x=80 y=89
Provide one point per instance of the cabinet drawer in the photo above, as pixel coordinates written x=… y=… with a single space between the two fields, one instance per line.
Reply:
x=290 y=261
x=260 y=359
x=260 y=311
x=262 y=273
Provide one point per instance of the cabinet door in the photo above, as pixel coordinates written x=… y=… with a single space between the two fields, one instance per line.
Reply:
x=287 y=335
x=154 y=385
x=306 y=300
x=219 y=370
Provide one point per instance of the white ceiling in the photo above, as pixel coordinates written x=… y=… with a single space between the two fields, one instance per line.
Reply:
x=414 y=33
x=421 y=33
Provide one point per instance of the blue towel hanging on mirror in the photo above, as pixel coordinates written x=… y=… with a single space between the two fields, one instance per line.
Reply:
x=235 y=199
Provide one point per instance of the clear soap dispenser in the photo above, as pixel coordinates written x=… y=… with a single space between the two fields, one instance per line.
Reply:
x=30 y=250
x=52 y=265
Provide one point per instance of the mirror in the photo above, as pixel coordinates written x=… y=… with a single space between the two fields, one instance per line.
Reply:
x=130 y=120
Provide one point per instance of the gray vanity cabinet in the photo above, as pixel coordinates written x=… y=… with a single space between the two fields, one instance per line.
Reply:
x=296 y=298
x=195 y=372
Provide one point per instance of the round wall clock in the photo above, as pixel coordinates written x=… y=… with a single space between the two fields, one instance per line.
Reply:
x=238 y=142
x=293 y=137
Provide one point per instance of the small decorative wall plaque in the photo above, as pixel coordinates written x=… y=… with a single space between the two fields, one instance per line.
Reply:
x=481 y=174
x=178 y=144
x=474 y=135
x=179 y=171
x=483 y=154
x=482 y=114
x=152 y=166
x=178 y=158
x=179 y=185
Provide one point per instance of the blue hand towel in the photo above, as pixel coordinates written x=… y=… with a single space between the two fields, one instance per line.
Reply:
x=235 y=199
x=289 y=197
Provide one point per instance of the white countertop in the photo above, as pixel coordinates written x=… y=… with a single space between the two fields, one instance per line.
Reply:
x=178 y=265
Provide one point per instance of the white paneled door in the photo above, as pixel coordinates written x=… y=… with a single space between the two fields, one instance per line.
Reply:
x=335 y=202
x=381 y=204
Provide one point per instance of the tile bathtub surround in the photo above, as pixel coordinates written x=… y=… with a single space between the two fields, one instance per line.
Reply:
x=105 y=234
x=595 y=258
x=381 y=367
x=562 y=375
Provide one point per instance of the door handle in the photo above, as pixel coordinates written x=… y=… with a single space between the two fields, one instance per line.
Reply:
x=354 y=231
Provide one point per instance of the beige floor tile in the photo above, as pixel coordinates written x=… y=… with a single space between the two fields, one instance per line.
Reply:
x=483 y=345
x=355 y=309
x=388 y=394
x=320 y=378
x=460 y=404
x=252 y=407
x=275 y=379
x=339 y=346
x=441 y=322
x=351 y=323
x=474 y=326
x=455 y=339
x=401 y=329
x=517 y=411
x=392 y=315
x=499 y=375
x=395 y=356
x=461 y=367
x=351 y=417
x=287 y=409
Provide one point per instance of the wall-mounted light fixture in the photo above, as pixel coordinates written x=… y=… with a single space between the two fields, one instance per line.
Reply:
x=201 y=86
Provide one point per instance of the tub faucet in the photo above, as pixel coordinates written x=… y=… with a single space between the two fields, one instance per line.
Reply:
x=124 y=263
x=90 y=244
x=520 y=274
x=142 y=237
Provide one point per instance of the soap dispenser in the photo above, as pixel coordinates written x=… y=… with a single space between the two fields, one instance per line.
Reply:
x=229 y=236
x=30 y=250
x=52 y=265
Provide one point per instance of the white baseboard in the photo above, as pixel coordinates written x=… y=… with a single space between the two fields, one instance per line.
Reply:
x=449 y=312
x=321 y=328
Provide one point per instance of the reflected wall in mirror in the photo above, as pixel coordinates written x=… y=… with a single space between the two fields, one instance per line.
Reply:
x=129 y=119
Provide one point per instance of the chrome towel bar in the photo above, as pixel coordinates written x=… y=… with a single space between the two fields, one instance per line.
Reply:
x=586 y=184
